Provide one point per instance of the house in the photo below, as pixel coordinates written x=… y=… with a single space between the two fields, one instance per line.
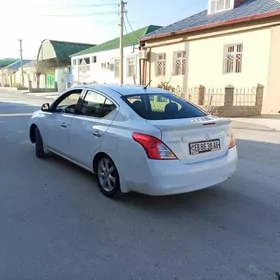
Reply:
x=29 y=75
x=233 y=43
x=8 y=73
x=3 y=63
x=101 y=63
x=53 y=67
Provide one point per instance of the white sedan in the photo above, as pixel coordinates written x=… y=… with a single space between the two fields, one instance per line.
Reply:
x=136 y=138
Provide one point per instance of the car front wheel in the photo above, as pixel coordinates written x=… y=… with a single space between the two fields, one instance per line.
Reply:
x=108 y=177
x=39 y=145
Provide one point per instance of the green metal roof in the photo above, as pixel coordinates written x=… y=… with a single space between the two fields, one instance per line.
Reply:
x=128 y=39
x=65 y=49
x=7 y=61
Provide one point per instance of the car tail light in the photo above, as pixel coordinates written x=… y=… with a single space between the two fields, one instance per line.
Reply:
x=155 y=149
x=232 y=141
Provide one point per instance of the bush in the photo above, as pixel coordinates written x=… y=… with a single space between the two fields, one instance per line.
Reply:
x=210 y=109
x=166 y=86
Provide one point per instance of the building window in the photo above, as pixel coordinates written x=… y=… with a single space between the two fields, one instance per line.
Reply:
x=219 y=5
x=74 y=62
x=93 y=59
x=160 y=64
x=233 y=58
x=84 y=61
x=117 y=68
x=179 y=63
x=130 y=67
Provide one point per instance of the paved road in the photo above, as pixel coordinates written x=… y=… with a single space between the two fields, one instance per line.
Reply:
x=56 y=225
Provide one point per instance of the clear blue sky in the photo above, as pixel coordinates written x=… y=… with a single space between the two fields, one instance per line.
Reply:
x=90 y=21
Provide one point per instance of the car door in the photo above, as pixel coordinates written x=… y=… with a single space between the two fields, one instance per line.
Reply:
x=59 y=121
x=88 y=128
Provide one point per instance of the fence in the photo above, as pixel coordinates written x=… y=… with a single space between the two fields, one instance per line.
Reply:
x=228 y=101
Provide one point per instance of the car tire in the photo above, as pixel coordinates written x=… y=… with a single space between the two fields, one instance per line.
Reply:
x=108 y=177
x=39 y=145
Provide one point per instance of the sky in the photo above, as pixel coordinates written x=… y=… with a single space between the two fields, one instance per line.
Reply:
x=85 y=21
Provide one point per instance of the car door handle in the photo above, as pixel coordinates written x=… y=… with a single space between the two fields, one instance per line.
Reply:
x=96 y=133
x=64 y=125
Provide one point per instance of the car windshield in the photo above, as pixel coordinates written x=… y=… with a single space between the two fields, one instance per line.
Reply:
x=160 y=106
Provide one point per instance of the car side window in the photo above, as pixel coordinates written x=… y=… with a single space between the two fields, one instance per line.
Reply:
x=68 y=102
x=96 y=105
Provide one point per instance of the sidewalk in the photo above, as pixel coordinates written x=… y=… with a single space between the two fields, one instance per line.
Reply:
x=269 y=121
x=44 y=94
x=27 y=93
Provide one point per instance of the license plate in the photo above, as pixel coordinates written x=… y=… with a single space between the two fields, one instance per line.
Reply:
x=204 y=146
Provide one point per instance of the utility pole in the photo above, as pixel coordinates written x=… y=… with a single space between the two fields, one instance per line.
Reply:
x=21 y=63
x=122 y=11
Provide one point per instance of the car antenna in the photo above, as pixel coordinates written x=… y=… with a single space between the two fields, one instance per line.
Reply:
x=145 y=87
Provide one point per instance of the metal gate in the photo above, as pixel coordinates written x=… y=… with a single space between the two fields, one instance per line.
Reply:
x=50 y=83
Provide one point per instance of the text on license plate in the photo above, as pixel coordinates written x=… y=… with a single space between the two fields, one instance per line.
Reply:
x=204 y=146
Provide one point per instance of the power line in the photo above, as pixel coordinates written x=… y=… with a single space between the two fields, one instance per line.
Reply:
x=79 y=15
x=126 y=17
x=59 y=8
x=86 y=5
x=124 y=25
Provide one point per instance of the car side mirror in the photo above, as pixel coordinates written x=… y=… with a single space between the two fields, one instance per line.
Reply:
x=45 y=107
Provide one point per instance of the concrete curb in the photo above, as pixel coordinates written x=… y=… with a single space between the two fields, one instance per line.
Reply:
x=273 y=124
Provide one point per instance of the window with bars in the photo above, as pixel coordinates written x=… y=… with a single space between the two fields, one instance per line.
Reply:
x=219 y=5
x=130 y=67
x=160 y=64
x=117 y=68
x=233 y=58
x=179 y=62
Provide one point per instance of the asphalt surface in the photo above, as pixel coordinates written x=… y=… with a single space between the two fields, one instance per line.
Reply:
x=55 y=224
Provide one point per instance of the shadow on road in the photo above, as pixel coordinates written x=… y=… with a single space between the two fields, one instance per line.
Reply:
x=251 y=151
x=248 y=151
x=263 y=156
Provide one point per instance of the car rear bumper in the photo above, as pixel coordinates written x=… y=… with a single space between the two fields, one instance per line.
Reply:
x=173 y=177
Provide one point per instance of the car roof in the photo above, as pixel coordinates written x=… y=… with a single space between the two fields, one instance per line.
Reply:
x=123 y=89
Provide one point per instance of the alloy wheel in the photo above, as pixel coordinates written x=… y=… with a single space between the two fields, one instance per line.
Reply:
x=107 y=174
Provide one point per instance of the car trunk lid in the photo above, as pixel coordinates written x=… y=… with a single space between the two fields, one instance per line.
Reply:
x=195 y=139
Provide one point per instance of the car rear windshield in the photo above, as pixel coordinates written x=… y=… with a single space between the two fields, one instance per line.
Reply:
x=160 y=106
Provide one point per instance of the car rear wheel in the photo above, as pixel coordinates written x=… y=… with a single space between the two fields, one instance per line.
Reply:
x=39 y=145
x=108 y=177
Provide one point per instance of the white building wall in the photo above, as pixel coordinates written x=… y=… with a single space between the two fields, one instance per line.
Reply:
x=101 y=75
x=255 y=60
x=205 y=59
x=61 y=79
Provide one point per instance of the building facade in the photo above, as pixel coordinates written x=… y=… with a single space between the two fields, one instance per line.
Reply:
x=101 y=63
x=231 y=44
x=8 y=74
x=53 y=67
